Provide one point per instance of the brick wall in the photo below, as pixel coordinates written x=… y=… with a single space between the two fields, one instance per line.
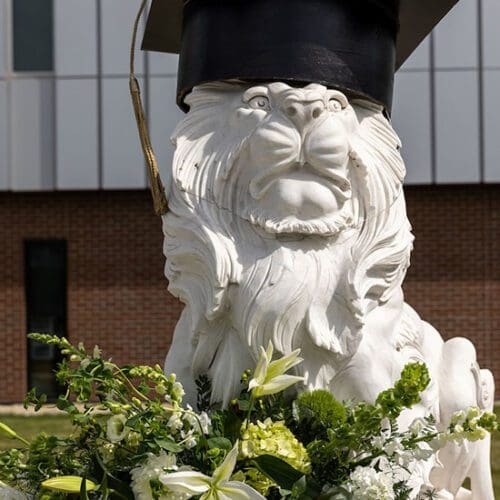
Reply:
x=454 y=278
x=117 y=293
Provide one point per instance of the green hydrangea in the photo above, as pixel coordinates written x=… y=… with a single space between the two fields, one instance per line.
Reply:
x=255 y=479
x=274 y=438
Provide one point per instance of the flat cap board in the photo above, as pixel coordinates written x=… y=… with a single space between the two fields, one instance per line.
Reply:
x=417 y=19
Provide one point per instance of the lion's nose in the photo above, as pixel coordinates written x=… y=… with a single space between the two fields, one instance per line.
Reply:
x=303 y=114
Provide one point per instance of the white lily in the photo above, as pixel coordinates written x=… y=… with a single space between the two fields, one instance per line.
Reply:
x=269 y=376
x=217 y=487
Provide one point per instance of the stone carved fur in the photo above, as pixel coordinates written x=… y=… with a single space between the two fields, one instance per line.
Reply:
x=288 y=223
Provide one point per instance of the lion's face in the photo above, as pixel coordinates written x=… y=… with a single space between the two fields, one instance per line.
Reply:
x=293 y=173
x=283 y=160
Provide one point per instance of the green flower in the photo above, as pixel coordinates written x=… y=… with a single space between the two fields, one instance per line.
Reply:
x=274 y=438
x=471 y=424
x=269 y=376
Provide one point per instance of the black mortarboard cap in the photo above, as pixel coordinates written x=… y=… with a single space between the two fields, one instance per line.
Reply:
x=352 y=45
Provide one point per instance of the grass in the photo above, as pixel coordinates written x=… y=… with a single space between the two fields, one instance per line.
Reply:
x=495 y=457
x=30 y=426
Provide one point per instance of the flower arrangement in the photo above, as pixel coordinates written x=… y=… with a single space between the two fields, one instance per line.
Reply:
x=134 y=439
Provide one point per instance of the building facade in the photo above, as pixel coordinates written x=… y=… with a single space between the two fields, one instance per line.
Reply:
x=81 y=251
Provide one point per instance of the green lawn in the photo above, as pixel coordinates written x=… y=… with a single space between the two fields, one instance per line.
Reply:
x=30 y=426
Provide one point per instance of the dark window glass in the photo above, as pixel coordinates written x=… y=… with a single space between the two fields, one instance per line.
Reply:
x=33 y=35
x=46 y=308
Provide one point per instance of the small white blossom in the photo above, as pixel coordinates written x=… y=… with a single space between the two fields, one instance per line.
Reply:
x=393 y=446
x=458 y=418
x=107 y=452
x=417 y=426
x=438 y=442
x=378 y=442
x=175 y=422
x=116 y=429
x=205 y=422
x=151 y=470
x=473 y=412
x=368 y=484
x=191 y=419
x=177 y=391
x=423 y=451
x=190 y=442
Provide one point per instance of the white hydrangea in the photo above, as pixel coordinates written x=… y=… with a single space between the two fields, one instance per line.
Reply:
x=150 y=471
x=417 y=426
x=368 y=484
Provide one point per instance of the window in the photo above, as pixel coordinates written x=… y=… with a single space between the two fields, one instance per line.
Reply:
x=33 y=35
x=45 y=282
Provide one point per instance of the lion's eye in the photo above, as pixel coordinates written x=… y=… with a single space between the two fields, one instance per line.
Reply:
x=260 y=102
x=335 y=105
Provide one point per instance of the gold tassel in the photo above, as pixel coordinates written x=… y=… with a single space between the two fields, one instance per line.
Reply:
x=157 y=190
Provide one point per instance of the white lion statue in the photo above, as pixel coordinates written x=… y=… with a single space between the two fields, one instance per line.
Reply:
x=288 y=223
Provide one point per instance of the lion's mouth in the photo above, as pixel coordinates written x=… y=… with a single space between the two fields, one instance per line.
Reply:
x=336 y=182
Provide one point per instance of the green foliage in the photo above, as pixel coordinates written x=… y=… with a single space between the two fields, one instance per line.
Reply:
x=406 y=392
x=129 y=427
x=342 y=433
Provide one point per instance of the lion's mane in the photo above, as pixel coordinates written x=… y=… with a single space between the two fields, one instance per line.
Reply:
x=243 y=286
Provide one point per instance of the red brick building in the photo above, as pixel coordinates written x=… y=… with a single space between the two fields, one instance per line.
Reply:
x=81 y=251
x=116 y=291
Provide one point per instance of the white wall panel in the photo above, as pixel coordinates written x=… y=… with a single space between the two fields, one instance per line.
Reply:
x=123 y=163
x=164 y=116
x=456 y=37
x=32 y=126
x=4 y=33
x=491 y=33
x=163 y=64
x=457 y=127
x=420 y=59
x=76 y=128
x=492 y=126
x=75 y=37
x=412 y=121
x=117 y=18
x=4 y=152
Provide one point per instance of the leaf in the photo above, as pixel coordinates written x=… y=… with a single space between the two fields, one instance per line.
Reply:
x=68 y=484
x=220 y=442
x=168 y=445
x=83 y=490
x=243 y=404
x=112 y=485
x=279 y=471
x=132 y=421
